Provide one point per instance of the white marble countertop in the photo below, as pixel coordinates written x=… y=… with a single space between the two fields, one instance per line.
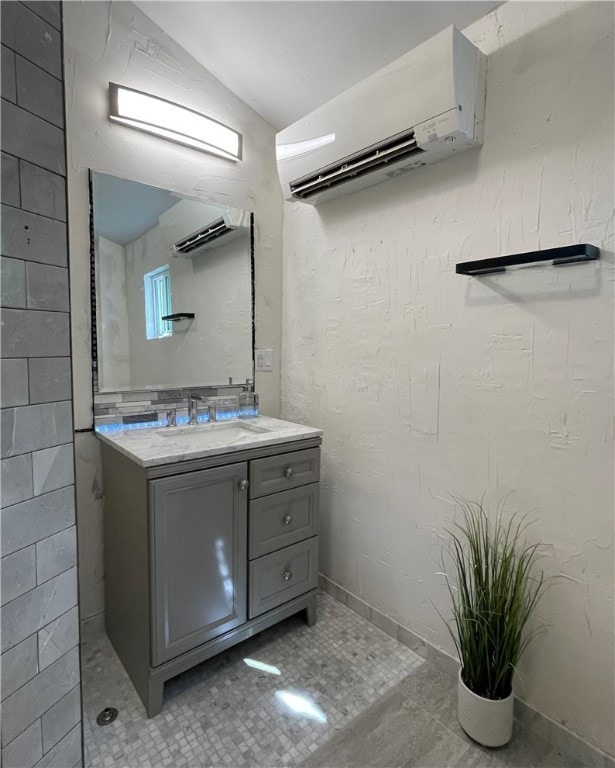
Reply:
x=153 y=446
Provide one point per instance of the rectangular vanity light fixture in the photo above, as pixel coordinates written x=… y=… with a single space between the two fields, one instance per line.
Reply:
x=171 y=121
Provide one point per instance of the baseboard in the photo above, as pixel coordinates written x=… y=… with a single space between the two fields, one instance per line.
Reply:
x=575 y=749
x=567 y=743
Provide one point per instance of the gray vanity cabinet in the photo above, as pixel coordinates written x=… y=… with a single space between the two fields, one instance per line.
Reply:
x=204 y=553
x=199 y=527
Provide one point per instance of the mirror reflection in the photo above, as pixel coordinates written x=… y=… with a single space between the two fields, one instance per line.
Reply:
x=173 y=279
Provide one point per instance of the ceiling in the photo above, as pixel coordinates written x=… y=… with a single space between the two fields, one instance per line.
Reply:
x=284 y=58
x=124 y=210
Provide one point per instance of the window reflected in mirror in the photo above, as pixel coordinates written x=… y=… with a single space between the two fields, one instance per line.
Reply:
x=157 y=293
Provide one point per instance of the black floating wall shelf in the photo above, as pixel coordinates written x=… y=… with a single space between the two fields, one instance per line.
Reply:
x=568 y=254
x=178 y=316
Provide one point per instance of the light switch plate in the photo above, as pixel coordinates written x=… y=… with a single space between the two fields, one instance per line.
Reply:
x=264 y=359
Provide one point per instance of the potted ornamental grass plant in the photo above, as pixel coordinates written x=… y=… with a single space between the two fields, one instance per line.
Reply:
x=494 y=587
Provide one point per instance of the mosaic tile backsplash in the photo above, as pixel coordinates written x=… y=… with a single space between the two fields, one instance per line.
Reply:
x=117 y=408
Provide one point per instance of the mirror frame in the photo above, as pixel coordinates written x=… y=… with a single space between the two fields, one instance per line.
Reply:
x=93 y=306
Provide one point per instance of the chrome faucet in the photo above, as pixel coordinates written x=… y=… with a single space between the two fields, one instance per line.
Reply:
x=193 y=401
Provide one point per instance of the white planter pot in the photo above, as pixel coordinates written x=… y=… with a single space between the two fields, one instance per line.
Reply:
x=487 y=721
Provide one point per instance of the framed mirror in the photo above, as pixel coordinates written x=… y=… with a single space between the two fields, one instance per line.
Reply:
x=172 y=289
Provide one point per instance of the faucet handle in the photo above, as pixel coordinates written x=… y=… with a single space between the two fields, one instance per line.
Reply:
x=172 y=417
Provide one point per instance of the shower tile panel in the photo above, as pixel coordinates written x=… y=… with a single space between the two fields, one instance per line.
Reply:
x=14 y=387
x=51 y=11
x=37 y=238
x=32 y=37
x=10 y=176
x=50 y=379
x=56 y=554
x=9 y=90
x=30 y=702
x=39 y=93
x=26 y=749
x=13 y=282
x=61 y=718
x=66 y=753
x=18 y=574
x=19 y=665
x=37 y=608
x=52 y=468
x=43 y=192
x=57 y=638
x=34 y=427
x=34 y=519
x=47 y=287
x=31 y=333
x=16 y=482
x=32 y=138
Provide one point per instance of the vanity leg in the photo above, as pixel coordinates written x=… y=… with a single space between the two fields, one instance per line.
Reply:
x=155 y=691
x=310 y=611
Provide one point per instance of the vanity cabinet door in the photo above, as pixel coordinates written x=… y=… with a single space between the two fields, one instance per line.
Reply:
x=198 y=523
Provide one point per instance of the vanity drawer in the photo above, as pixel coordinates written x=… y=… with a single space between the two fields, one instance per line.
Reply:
x=283 y=519
x=288 y=470
x=283 y=575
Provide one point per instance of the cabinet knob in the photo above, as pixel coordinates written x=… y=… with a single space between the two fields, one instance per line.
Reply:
x=244 y=485
x=287 y=519
x=287 y=575
x=288 y=472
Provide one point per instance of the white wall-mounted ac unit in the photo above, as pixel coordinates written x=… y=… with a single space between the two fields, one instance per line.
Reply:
x=421 y=108
x=186 y=234
x=221 y=231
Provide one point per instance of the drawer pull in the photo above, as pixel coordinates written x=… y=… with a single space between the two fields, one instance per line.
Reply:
x=287 y=575
x=288 y=472
x=287 y=519
x=243 y=485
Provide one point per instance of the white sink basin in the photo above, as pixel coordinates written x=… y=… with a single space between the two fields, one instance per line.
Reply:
x=211 y=434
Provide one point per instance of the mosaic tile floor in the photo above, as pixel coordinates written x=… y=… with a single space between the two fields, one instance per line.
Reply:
x=226 y=713
x=341 y=694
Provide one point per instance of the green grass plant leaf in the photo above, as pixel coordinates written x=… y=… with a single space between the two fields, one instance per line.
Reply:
x=494 y=590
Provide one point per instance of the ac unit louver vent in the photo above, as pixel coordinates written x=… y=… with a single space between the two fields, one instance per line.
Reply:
x=393 y=150
x=234 y=223
x=198 y=239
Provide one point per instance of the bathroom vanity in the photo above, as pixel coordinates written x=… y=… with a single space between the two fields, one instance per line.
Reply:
x=211 y=535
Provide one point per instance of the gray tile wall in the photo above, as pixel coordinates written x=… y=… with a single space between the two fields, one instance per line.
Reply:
x=41 y=697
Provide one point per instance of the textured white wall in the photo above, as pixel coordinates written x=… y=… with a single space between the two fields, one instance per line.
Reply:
x=213 y=347
x=116 y=42
x=112 y=318
x=428 y=383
